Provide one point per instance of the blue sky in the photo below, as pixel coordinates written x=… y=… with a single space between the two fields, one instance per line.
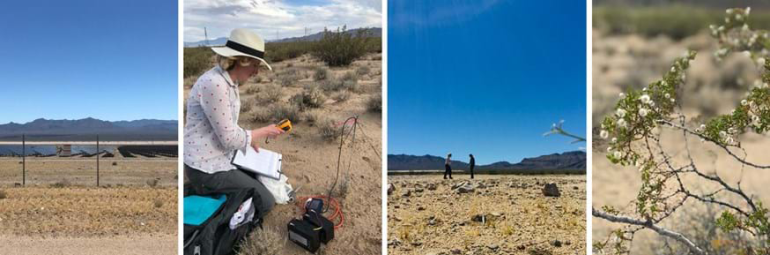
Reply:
x=274 y=19
x=485 y=77
x=111 y=60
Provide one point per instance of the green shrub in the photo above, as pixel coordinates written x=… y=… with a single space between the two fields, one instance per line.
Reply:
x=270 y=94
x=279 y=51
x=341 y=48
x=308 y=98
x=197 y=60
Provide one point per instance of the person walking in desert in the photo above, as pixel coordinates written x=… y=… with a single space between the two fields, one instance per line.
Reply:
x=448 y=166
x=212 y=135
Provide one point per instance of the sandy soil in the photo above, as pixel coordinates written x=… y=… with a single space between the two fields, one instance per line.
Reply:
x=427 y=216
x=622 y=62
x=81 y=220
x=82 y=171
x=310 y=162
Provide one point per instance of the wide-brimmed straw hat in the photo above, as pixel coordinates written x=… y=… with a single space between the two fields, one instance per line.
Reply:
x=243 y=42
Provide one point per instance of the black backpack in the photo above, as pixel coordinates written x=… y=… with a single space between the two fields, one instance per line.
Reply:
x=214 y=236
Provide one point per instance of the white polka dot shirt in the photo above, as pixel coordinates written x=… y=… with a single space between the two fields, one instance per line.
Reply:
x=211 y=132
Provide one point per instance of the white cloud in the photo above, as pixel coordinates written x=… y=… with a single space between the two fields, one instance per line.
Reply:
x=275 y=19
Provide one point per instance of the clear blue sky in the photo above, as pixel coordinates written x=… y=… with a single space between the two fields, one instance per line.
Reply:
x=110 y=60
x=485 y=77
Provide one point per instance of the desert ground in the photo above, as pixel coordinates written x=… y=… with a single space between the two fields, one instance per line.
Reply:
x=712 y=88
x=503 y=214
x=60 y=208
x=310 y=150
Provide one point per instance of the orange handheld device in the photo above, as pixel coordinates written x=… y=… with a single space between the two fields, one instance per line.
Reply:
x=284 y=125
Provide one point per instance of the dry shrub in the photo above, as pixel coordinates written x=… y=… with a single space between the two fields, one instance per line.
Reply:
x=341 y=96
x=330 y=85
x=158 y=203
x=259 y=115
x=246 y=106
x=153 y=183
x=342 y=189
x=289 y=77
x=252 y=89
x=328 y=130
x=270 y=94
x=62 y=184
x=310 y=117
x=374 y=104
x=362 y=70
x=308 y=98
x=281 y=112
x=321 y=74
x=265 y=241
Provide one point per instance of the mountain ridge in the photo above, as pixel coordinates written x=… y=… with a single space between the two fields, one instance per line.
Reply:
x=565 y=160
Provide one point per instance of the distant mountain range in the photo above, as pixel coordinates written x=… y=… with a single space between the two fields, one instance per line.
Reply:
x=568 y=160
x=88 y=128
x=373 y=32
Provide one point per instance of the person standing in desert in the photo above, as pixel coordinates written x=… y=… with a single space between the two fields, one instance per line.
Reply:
x=448 y=166
x=211 y=133
x=472 y=164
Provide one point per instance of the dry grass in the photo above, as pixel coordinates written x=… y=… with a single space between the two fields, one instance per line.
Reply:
x=87 y=212
x=266 y=241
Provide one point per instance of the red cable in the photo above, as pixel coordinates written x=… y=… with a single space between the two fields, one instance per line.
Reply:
x=337 y=208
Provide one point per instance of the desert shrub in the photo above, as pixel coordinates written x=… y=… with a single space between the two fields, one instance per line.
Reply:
x=363 y=70
x=264 y=241
x=328 y=130
x=374 y=104
x=270 y=94
x=3 y=195
x=321 y=74
x=246 y=106
x=280 y=51
x=281 y=112
x=351 y=85
x=158 y=203
x=330 y=85
x=197 y=60
x=289 y=77
x=259 y=115
x=308 y=98
x=341 y=48
x=153 y=182
x=342 y=188
x=61 y=184
x=341 y=96
x=350 y=76
x=310 y=117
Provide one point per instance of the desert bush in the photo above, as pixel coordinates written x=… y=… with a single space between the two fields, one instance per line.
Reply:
x=253 y=89
x=341 y=48
x=321 y=74
x=310 y=117
x=270 y=94
x=61 y=184
x=280 y=51
x=308 y=98
x=330 y=85
x=264 y=241
x=342 y=188
x=328 y=130
x=289 y=77
x=341 y=96
x=280 y=112
x=634 y=133
x=246 y=106
x=363 y=70
x=677 y=21
x=197 y=60
x=259 y=115
x=152 y=183
x=158 y=203
x=374 y=104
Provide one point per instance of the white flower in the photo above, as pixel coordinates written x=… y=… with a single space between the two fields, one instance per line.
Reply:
x=672 y=100
x=731 y=130
x=604 y=134
x=622 y=123
x=761 y=61
x=614 y=140
x=748 y=10
x=620 y=112
x=744 y=102
x=652 y=104
x=755 y=120
x=622 y=95
x=730 y=140
x=745 y=27
x=738 y=17
x=643 y=112
x=609 y=149
x=637 y=164
x=722 y=133
x=645 y=99
x=701 y=128
x=747 y=53
x=729 y=11
x=673 y=69
x=758 y=83
x=618 y=154
x=668 y=95
x=664 y=83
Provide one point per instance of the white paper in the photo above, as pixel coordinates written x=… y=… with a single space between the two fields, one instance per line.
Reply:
x=264 y=162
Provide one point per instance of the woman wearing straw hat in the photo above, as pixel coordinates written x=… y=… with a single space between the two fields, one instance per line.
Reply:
x=211 y=133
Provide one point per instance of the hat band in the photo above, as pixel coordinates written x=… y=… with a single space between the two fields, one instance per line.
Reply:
x=245 y=49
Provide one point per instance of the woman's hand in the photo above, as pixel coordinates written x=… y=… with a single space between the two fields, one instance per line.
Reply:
x=270 y=131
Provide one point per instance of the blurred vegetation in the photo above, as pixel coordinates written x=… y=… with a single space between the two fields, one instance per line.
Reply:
x=675 y=21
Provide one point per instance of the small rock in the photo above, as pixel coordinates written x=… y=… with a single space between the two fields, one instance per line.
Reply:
x=575 y=187
x=465 y=189
x=551 y=190
x=418 y=190
x=478 y=218
x=407 y=193
x=432 y=222
x=556 y=243
x=521 y=247
x=391 y=188
x=456 y=251
x=431 y=186
x=420 y=208
x=416 y=243
x=493 y=247
x=568 y=242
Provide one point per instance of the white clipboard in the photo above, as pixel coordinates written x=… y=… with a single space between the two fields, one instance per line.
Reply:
x=265 y=162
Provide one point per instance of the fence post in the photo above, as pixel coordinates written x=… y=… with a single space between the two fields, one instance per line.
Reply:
x=23 y=160
x=97 y=160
